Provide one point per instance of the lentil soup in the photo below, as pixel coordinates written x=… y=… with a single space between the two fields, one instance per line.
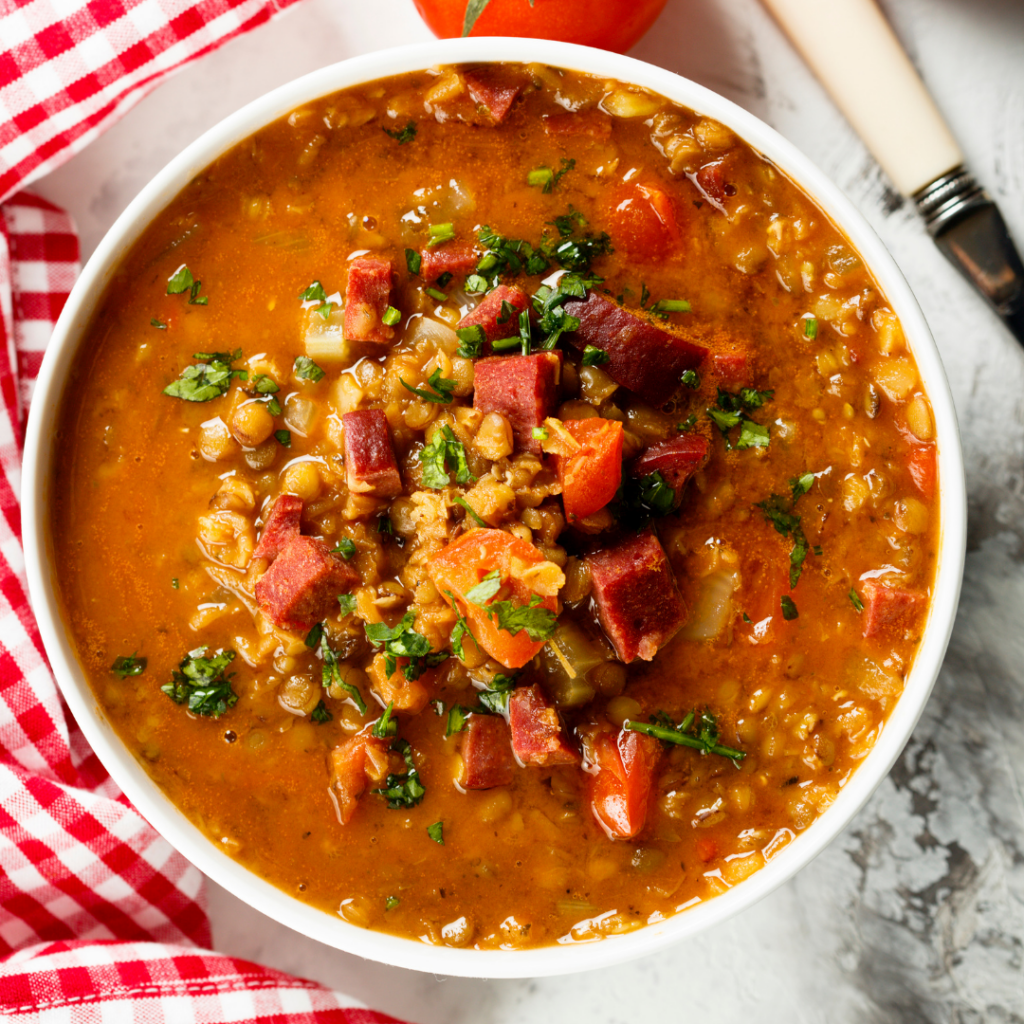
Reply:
x=496 y=505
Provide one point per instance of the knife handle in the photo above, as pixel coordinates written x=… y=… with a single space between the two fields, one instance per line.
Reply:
x=853 y=51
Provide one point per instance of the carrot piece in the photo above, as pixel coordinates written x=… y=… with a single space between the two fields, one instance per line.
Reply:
x=590 y=477
x=464 y=563
x=921 y=466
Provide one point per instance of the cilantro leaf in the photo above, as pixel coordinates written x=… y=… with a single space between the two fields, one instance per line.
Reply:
x=485 y=589
x=443 y=455
x=315 y=293
x=442 y=389
x=207 y=379
x=348 y=603
x=158 y=324
x=128 y=665
x=385 y=726
x=321 y=713
x=786 y=523
x=436 y=832
x=789 y=611
x=331 y=674
x=283 y=438
x=472 y=340
x=403 y=790
x=402 y=135
x=752 y=435
x=697 y=733
x=594 y=356
x=182 y=281
x=402 y=641
x=470 y=511
x=202 y=684
x=306 y=369
x=691 y=379
x=456 y=719
x=539 y=623
x=346 y=547
x=413 y=261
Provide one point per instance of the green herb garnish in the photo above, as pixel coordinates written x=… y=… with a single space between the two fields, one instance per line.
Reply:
x=594 y=356
x=306 y=369
x=691 y=379
x=182 y=281
x=437 y=234
x=315 y=293
x=781 y=516
x=811 y=328
x=789 y=611
x=202 y=684
x=391 y=317
x=697 y=733
x=347 y=603
x=472 y=340
x=128 y=665
x=470 y=511
x=485 y=589
x=404 y=790
x=539 y=623
x=436 y=832
x=402 y=135
x=856 y=601
x=391 y=902
x=457 y=716
x=346 y=547
x=330 y=673
x=442 y=389
x=321 y=713
x=402 y=641
x=207 y=379
x=443 y=455
x=385 y=726
x=158 y=324
x=284 y=438
x=732 y=411
x=546 y=179
x=413 y=261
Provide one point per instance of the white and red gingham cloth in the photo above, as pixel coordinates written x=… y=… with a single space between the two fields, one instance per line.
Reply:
x=100 y=918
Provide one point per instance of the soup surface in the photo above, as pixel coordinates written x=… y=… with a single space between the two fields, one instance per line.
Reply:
x=496 y=505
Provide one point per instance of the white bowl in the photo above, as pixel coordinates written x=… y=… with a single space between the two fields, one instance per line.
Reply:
x=145 y=794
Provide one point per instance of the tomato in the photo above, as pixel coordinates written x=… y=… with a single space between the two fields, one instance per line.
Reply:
x=590 y=478
x=464 y=563
x=643 y=220
x=921 y=465
x=608 y=24
x=620 y=790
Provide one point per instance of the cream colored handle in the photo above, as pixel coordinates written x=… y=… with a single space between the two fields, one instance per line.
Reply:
x=853 y=51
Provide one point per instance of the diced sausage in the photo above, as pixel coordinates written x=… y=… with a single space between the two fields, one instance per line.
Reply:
x=283 y=522
x=303 y=583
x=352 y=765
x=486 y=753
x=455 y=258
x=676 y=459
x=713 y=182
x=491 y=89
x=367 y=293
x=890 y=608
x=585 y=122
x=637 y=601
x=732 y=366
x=489 y=313
x=620 y=789
x=641 y=357
x=537 y=734
x=524 y=389
x=370 y=464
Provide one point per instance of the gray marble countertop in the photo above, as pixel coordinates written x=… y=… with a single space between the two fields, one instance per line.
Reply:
x=916 y=913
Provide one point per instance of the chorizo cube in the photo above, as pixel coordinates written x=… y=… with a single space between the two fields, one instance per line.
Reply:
x=367 y=293
x=524 y=389
x=303 y=583
x=890 y=608
x=644 y=358
x=638 y=603
x=492 y=315
x=676 y=459
x=537 y=734
x=486 y=753
x=370 y=463
x=283 y=522
x=455 y=258
x=493 y=89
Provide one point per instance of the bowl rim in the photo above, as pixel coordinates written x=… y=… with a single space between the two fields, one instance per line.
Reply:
x=144 y=792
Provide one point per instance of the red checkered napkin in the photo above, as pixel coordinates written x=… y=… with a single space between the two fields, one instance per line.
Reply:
x=100 y=918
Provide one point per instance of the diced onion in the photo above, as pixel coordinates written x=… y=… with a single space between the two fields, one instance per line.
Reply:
x=324 y=340
x=567 y=660
x=300 y=414
x=437 y=334
x=712 y=611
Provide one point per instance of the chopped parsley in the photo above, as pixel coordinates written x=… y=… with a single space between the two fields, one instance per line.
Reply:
x=284 y=438
x=385 y=726
x=789 y=611
x=207 y=379
x=460 y=631
x=402 y=641
x=158 y=324
x=442 y=389
x=781 y=516
x=413 y=261
x=264 y=385
x=314 y=636
x=436 y=832
x=732 y=412
x=182 y=281
x=402 y=135
x=471 y=340
x=391 y=317
x=405 y=789
x=128 y=665
x=856 y=601
x=274 y=407
x=495 y=698
x=315 y=293
x=594 y=356
x=321 y=713
x=346 y=547
x=391 y=902
x=539 y=623
x=306 y=369
x=640 y=500
x=811 y=328
x=470 y=511
x=348 y=603
x=691 y=379
x=546 y=179
x=201 y=683
x=457 y=716
x=330 y=674
x=438 y=234
x=443 y=455
x=697 y=733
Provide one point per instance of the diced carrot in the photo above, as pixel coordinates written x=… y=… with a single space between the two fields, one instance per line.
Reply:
x=590 y=477
x=353 y=763
x=707 y=849
x=921 y=466
x=407 y=695
x=465 y=562
x=621 y=787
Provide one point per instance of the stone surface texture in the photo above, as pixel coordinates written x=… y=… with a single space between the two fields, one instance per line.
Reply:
x=916 y=913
